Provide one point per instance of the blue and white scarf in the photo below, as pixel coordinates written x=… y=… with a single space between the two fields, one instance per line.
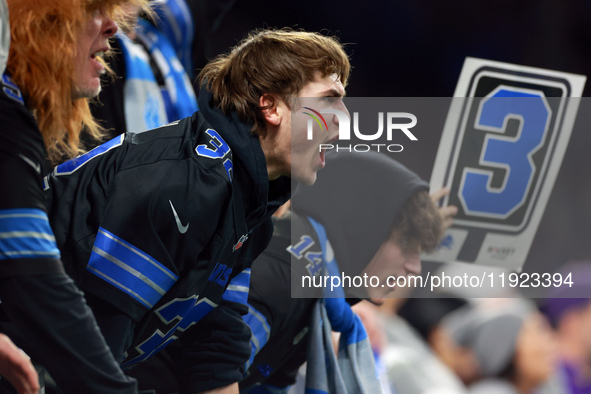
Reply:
x=176 y=23
x=353 y=370
x=148 y=105
x=178 y=94
x=144 y=106
x=4 y=35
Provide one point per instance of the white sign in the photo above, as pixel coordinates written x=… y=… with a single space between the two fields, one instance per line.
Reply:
x=502 y=146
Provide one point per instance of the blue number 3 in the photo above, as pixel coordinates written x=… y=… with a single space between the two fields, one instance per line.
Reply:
x=219 y=151
x=514 y=154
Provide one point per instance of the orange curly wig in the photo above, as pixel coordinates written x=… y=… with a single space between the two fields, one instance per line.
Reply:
x=41 y=62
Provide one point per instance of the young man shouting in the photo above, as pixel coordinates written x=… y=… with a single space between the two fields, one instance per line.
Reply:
x=155 y=226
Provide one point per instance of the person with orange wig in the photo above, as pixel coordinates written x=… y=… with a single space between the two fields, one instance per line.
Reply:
x=54 y=66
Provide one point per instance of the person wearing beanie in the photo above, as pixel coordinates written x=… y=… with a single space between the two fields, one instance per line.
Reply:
x=426 y=316
x=511 y=342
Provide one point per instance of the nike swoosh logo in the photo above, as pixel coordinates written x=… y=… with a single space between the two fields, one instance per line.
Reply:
x=179 y=225
x=35 y=166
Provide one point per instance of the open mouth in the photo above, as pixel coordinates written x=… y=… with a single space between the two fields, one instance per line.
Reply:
x=97 y=54
x=322 y=157
x=95 y=59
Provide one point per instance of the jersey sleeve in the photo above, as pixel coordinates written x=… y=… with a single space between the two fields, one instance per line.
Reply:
x=134 y=213
x=27 y=245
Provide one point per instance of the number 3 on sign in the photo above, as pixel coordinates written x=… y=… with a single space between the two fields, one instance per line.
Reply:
x=513 y=154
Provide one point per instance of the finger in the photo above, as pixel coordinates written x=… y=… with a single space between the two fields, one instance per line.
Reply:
x=447 y=214
x=30 y=377
x=439 y=194
x=16 y=367
x=448 y=211
x=23 y=376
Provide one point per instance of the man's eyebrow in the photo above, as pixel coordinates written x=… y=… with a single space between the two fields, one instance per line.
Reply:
x=332 y=93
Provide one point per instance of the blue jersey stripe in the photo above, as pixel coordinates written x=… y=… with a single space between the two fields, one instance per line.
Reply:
x=27 y=247
x=135 y=258
x=24 y=220
x=72 y=165
x=260 y=332
x=25 y=233
x=242 y=279
x=129 y=269
x=237 y=290
x=236 y=294
x=111 y=271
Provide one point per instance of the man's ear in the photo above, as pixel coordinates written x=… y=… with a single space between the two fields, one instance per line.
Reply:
x=269 y=108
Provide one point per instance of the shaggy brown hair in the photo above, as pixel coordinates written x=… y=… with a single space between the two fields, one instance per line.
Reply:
x=278 y=62
x=419 y=221
x=44 y=35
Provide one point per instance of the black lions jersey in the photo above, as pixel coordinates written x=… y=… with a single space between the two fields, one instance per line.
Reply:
x=153 y=225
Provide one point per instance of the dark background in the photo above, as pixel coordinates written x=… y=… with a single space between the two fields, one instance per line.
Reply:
x=416 y=48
